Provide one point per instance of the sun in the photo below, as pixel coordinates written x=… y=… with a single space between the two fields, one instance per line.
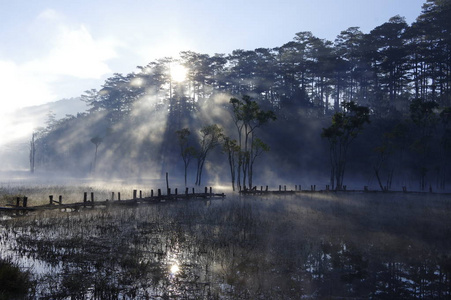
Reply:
x=178 y=73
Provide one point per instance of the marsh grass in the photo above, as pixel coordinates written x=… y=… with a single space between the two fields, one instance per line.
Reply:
x=324 y=245
x=14 y=283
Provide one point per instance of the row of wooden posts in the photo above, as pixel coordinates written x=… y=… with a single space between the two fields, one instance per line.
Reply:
x=297 y=188
x=208 y=191
x=52 y=200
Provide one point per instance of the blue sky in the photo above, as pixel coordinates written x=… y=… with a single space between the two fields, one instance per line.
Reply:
x=53 y=49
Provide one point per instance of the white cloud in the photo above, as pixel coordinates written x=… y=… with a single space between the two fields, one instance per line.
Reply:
x=72 y=54
x=75 y=53
x=19 y=88
x=50 y=15
x=66 y=56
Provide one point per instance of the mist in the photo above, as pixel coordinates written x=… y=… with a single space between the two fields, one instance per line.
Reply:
x=127 y=128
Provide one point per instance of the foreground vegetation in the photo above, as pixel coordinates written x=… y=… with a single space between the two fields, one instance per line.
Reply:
x=14 y=283
x=319 y=245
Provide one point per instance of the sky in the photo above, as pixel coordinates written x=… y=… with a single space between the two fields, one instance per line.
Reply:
x=54 y=49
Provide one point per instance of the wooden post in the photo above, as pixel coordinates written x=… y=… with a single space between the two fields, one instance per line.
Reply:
x=169 y=191
x=140 y=194
x=186 y=191
x=50 y=199
x=159 y=192
x=327 y=187
x=295 y=187
x=85 y=197
x=60 y=199
x=285 y=188
x=112 y=196
x=176 y=191
x=194 y=192
x=261 y=188
x=118 y=196
x=266 y=189
x=92 y=196
x=17 y=201
x=25 y=200
x=151 y=193
x=211 y=191
x=280 y=188
x=167 y=181
x=206 y=190
x=134 y=194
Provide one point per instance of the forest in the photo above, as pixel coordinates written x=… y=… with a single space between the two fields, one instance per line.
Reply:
x=367 y=108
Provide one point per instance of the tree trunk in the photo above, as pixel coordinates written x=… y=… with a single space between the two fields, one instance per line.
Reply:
x=376 y=171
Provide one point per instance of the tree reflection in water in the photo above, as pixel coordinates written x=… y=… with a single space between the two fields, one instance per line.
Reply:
x=390 y=246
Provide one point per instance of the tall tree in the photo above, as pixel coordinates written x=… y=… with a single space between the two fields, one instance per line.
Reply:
x=210 y=137
x=231 y=148
x=258 y=147
x=187 y=152
x=390 y=62
x=247 y=117
x=346 y=125
x=33 y=152
x=424 y=115
x=97 y=140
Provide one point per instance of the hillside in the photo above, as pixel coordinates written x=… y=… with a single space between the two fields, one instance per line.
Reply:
x=14 y=147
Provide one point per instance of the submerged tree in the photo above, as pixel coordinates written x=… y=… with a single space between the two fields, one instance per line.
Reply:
x=389 y=154
x=424 y=115
x=258 y=147
x=247 y=116
x=346 y=125
x=186 y=151
x=32 y=152
x=97 y=140
x=231 y=148
x=210 y=137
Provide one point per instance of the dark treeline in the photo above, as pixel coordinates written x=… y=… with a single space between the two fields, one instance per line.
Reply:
x=401 y=73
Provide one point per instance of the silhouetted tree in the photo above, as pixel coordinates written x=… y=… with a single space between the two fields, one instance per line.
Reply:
x=247 y=116
x=231 y=148
x=186 y=151
x=32 y=152
x=96 y=141
x=210 y=137
x=346 y=125
x=258 y=147
x=424 y=115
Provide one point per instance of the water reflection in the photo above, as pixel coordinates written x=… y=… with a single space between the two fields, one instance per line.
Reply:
x=354 y=246
x=174 y=269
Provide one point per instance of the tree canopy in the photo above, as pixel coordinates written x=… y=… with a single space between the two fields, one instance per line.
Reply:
x=389 y=71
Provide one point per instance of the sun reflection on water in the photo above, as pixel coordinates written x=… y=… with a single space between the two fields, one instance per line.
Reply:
x=174 y=269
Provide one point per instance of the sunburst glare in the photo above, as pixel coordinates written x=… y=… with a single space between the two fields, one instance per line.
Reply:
x=174 y=269
x=178 y=73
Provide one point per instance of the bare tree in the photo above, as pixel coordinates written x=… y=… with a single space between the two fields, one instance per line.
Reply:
x=97 y=140
x=187 y=152
x=210 y=137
